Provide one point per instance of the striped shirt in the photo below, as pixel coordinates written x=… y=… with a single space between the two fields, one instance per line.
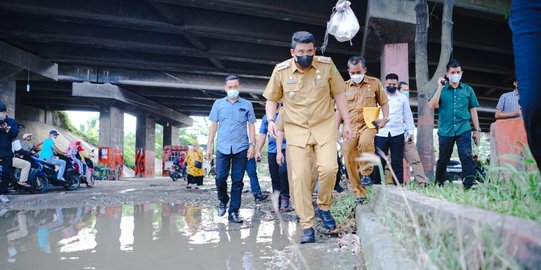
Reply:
x=508 y=102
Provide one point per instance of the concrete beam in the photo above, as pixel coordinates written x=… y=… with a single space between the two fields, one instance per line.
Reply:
x=497 y=7
x=294 y=10
x=117 y=94
x=17 y=57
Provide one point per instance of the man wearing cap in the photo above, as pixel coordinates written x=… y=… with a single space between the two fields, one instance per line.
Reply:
x=47 y=154
x=8 y=132
x=307 y=84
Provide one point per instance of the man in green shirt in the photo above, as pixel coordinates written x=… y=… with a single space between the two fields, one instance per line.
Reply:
x=457 y=105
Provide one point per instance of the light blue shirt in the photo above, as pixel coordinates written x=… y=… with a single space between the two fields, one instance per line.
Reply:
x=232 y=119
x=272 y=141
x=47 y=149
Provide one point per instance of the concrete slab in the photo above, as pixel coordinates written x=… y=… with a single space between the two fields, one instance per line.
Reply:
x=521 y=238
x=379 y=251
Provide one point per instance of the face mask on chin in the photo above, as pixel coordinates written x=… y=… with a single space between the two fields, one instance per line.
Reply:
x=233 y=93
x=305 y=61
x=357 y=78
x=455 y=78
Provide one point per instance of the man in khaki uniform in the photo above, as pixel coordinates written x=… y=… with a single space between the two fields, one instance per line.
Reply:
x=361 y=91
x=307 y=85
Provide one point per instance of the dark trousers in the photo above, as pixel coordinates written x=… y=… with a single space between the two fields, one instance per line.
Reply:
x=251 y=170
x=396 y=145
x=198 y=180
x=7 y=168
x=278 y=175
x=463 y=143
x=236 y=163
x=525 y=22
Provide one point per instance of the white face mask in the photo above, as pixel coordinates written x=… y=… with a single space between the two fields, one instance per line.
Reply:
x=406 y=93
x=233 y=93
x=357 y=78
x=455 y=78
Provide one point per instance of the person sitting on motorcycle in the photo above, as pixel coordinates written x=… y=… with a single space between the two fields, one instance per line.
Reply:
x=20 y=163
x=47 y=154
x=83 y=156
x=27 y=143
x=180 y=162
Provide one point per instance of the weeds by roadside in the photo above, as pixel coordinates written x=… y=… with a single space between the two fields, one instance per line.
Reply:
x=519 y=195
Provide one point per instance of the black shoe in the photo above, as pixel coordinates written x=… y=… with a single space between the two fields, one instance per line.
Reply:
x=326 y=217
x=366 y=180
x=260 y=197
x=361 y=200
x=339 y=189
x=308 y=236
x=221 y=209
x=234 y=217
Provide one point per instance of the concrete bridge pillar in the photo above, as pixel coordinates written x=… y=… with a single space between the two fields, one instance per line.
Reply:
x=7 y=95
x=111 y=127
x=394 y=59
x=170 y=135
x=145 y=138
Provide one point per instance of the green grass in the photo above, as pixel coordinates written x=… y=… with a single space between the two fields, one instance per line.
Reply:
x=343 y=211
x=519 y=195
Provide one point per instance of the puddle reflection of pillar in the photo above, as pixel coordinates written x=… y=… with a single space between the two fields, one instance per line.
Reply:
x=108 y=231
x=142 y=231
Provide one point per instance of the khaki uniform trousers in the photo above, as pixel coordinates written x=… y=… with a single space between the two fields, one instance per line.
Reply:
x=303 y=181
x=24 y=166
x=411 y=155
x=362 y=141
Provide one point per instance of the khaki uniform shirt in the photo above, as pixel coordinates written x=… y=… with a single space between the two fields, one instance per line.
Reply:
x=369 y=93
x=307 y=98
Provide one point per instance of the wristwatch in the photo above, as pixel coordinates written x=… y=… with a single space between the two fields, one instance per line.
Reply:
x=252 y=144
x=476 y=129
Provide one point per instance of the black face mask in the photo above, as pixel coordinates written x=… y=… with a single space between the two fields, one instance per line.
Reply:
x=391 y=89
x=305 y=61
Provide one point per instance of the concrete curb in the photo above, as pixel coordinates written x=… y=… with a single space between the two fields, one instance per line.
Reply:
x=379 y=251
x=520 y=237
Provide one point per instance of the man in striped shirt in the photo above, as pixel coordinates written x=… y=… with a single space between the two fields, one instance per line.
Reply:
x=508 y=106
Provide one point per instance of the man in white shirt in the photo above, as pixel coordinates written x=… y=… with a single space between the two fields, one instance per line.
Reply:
x=392 y=136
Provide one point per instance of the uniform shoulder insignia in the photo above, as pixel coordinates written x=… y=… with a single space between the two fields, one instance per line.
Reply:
x=324 y=59
x=283 y=65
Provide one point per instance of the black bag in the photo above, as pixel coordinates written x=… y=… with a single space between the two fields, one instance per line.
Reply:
x=198 y=164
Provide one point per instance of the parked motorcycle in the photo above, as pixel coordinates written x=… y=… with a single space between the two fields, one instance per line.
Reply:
x=177 y=173
x=71 y=175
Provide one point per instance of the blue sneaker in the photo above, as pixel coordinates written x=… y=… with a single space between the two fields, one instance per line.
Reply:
x=366 y=180
x=308 y=236
x=328 y=220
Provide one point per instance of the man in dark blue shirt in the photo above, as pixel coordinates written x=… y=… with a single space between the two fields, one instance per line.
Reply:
x=230 y=116
x=8 y=132
x=278 y=173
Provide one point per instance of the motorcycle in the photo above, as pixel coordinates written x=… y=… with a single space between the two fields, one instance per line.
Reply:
x=37 y=179
x=71 y=175
x=177 y=173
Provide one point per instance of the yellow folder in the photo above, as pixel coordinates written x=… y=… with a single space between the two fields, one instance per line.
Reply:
x=370 y=114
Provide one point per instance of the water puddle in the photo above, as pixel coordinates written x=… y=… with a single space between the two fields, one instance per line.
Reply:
x=157 y=236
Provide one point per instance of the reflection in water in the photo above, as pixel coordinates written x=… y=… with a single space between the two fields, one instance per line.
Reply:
x=153 y=236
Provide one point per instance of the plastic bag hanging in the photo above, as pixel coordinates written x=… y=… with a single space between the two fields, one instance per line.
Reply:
x=343 y=24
